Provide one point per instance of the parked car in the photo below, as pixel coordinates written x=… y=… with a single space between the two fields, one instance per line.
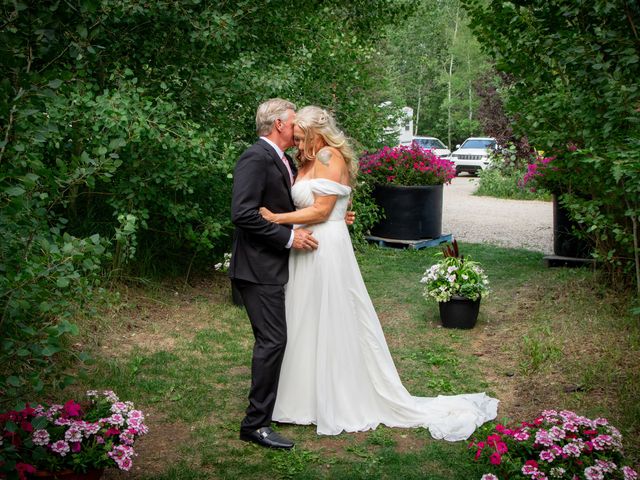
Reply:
x=433 y=144
x=473 y=154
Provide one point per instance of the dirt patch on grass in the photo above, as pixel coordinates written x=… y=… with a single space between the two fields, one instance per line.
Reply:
x=155 y=320
x=567 y=347
x=409 y=443
x=157 y=451
x=506 y=322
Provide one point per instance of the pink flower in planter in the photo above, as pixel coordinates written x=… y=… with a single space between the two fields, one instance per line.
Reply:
x=119 y=407
x=124 y=463
x=116 y=419
x=73 y=434
x=547 y=456
x=23 y=469
x=593 y=473
x=60 y=447
x=40 y=437
x=602 y=441
x=72 y=408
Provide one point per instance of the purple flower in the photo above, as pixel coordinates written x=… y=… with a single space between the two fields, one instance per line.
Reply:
x=116 y=419
x=543 y=438
x=40 y=437
x=521 y=436
x=124 y=463
x=109 y=395
x=547 y=455
x=60 y=447
x=90 y=429
x=593 y=473
x=601 y=442
x=557 y=433
x=119 y=407
x=606 y=467
x=571 y=450
x=73 y=434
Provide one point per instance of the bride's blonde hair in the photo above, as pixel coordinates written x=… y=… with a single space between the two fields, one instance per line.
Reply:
x=314 y=121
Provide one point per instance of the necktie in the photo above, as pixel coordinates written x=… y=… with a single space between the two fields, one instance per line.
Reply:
x=286 y=164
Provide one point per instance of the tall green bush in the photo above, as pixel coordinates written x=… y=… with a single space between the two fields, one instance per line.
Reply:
x=121 y=122
x=573 y=67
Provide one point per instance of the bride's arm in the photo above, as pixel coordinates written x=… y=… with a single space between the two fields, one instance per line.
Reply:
x=329 y=165
x=317 y=213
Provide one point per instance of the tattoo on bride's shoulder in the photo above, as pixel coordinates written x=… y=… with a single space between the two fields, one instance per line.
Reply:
x=324 y=156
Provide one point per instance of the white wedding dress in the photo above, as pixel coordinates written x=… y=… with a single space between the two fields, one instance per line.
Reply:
x=337 y=371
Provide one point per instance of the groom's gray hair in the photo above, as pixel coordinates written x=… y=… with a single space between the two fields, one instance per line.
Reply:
x=269 y=111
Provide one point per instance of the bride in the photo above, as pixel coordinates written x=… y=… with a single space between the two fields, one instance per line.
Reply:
x=337 y=371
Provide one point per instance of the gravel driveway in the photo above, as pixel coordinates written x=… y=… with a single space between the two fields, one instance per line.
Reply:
x=509 y=223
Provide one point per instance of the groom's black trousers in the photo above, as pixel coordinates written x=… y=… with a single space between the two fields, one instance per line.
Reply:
x=265 y=307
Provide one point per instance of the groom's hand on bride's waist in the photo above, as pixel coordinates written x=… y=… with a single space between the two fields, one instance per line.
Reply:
x=303 y=240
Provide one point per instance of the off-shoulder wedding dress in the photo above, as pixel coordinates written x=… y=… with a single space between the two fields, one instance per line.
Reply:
x=337 y=371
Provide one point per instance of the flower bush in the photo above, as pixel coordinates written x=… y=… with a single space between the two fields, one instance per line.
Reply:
x=406 y=165
x=97 y=434
x=454 y=275
x=540 y=174
x=223 y=266
x=559 y=173
x=559 y=445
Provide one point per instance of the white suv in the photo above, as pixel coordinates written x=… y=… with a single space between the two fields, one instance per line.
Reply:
x=433 y=144
x=473 y=154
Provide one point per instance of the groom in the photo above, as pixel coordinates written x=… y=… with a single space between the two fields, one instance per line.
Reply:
x=259 y=261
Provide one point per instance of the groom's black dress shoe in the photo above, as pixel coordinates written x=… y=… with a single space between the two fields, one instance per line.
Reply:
x=267 y=438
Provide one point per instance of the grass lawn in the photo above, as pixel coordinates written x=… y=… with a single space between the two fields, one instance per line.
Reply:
x=546 y=338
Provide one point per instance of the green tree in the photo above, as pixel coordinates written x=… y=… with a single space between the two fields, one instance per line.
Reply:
x=573 y=91
x=436 y=62
x=121 y=121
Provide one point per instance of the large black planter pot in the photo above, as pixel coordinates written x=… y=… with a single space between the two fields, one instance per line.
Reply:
x=459 y=312
x=411 y=213
x=565 y=243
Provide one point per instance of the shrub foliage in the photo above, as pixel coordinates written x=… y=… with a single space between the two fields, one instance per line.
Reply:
x=121 y=121
x=573 y=67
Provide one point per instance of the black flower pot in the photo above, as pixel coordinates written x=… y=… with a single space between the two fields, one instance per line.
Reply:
x=565 y=242
x=459 y=312
x=411 y=212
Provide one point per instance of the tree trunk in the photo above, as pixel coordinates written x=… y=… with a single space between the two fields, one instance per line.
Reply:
x=415 y=127
x=455 y=34
x=470 y=92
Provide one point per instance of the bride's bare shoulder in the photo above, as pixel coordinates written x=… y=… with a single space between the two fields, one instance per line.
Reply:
x=326 y=154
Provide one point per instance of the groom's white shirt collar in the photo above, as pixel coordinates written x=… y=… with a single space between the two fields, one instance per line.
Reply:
x=275 y=147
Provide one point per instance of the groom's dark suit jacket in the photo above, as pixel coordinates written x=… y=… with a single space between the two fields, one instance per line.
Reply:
x=259 y=253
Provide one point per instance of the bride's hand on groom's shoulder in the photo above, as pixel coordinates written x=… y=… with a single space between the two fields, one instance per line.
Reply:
x=267 y=214
x=350 y=217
